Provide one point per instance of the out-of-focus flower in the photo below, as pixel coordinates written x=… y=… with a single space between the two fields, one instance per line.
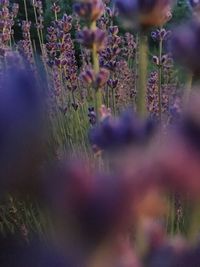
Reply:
x=104 y=112
x=56 y=7
x=127 y=130
x=185 y=43
x=35 y=253
x=182 y=144
x=188 y=257
x=116 y=252
x=189 y=126
x=15 y=9
x=152 y=205
x=94 y=207
x=89 y=9
x=90 y=38
x=21 y=129
x=168 y=254
x=147 y=13
x=96 y=80
x=195 y=6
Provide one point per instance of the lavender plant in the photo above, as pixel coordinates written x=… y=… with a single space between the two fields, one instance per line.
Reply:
x=99 y=143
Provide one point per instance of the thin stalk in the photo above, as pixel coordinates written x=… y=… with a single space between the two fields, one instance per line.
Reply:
x=136 y=65
x=95 y=58
x=160 y=80
x=95 y=61
x=38 y=32
x=25 y=9
x=56 y=16
x=142 y=79
x=113 y=98
x=26 y=15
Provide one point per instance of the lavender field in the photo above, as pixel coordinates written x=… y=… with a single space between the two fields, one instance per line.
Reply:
x=99 y=133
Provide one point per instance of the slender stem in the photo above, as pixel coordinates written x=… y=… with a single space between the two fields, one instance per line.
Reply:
x=25 y=9
x=136 y=66
x=38 y=32
x=56 y=16
x=160 y=80
x=142 y=72
x=95 y=56
x=95 y=61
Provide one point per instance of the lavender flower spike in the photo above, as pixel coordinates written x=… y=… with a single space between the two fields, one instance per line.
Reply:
x=147 y=12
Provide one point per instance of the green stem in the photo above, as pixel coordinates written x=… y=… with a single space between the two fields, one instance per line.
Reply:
x=160 y=80
x=38 y=32
x=25 y=9
x=95 y=58
x=95 y=61
x=56 y=16
x=142 y=79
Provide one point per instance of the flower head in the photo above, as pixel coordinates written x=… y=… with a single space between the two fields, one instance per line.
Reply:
x=147 y=12
x=89 y=9
x=185 y=45
x=96 y=80
x=90 y=38
x=127 y=130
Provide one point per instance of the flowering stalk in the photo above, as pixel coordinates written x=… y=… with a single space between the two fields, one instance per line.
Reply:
x=160 y=79
x=93 y=39
x=25 y=9
x=142 y=72
x=55 y=15
x=95 y=61
x=95 y=56
x=38 y=32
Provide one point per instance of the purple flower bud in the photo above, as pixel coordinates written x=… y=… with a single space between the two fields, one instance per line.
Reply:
x=55 y=8
x=112 y=83
x=88 y=77
x=114 y=30
x=97 y=80
x=162 y=34
x=156 y=60
x=92 y=116
x=154 y=36
x=101 y=78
